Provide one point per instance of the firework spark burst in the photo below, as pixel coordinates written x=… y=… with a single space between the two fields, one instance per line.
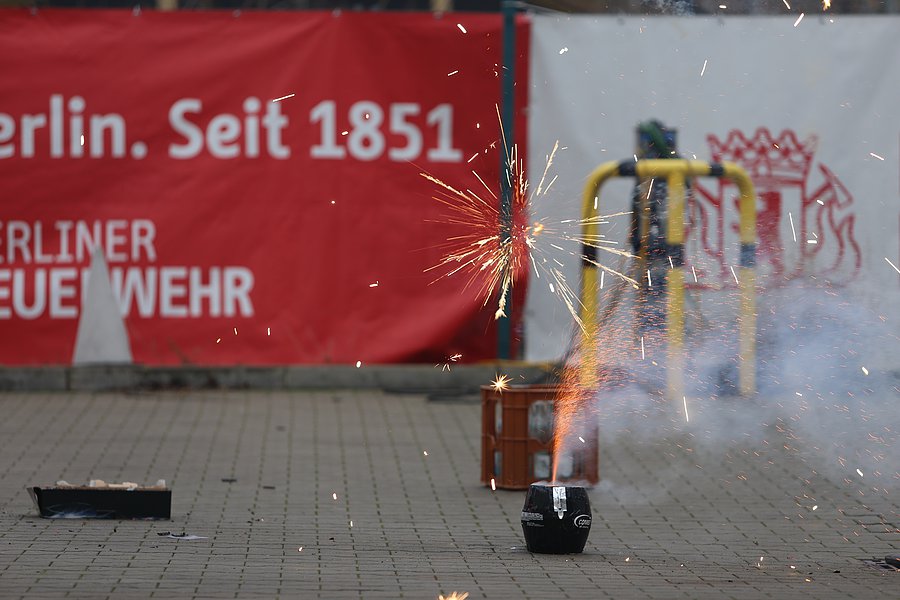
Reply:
x=450 y=359
x=500 y=383
x=498 y=250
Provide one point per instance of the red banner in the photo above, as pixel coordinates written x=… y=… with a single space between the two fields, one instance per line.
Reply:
x=253 y=180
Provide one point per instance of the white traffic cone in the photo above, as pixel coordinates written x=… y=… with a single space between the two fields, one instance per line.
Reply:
x=102 y=337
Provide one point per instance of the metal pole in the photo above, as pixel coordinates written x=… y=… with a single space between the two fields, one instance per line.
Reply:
x=675 y=287
x=747 y=271
x=507 y=110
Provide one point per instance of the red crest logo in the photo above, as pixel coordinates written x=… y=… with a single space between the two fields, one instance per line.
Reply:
x=803 y=229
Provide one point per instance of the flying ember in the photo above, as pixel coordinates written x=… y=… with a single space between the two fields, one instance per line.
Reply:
x=500 y=383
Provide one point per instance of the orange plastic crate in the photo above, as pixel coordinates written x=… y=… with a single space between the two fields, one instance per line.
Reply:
x=517 y=436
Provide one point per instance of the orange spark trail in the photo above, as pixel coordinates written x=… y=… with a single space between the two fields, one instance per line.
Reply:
x=579 y=380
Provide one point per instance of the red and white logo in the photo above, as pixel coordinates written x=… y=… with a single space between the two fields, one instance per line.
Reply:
x=804 y=221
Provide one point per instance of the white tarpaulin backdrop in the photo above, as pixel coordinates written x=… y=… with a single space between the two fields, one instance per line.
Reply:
x=812 y=111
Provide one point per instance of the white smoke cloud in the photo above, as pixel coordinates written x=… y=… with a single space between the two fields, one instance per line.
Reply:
x=828 y=394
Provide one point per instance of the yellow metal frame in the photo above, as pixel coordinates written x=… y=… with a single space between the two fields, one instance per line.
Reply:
x=676 y=171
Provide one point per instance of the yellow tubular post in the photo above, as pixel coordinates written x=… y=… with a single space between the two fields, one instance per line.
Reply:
x=747 y=280
x=747 y=324
x=675 y=329
x=588 y=292
x=675 y=171
x=675 y=229
x=747 y=204
x=663 y=167
x=675 y=288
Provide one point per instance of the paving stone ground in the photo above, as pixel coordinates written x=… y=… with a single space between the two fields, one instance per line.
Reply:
x=335 y=497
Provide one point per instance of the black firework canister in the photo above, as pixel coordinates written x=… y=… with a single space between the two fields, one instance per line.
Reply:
x=556 y=519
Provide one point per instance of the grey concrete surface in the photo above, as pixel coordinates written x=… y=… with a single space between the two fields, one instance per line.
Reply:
x=334 y=496
x=416 y=378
